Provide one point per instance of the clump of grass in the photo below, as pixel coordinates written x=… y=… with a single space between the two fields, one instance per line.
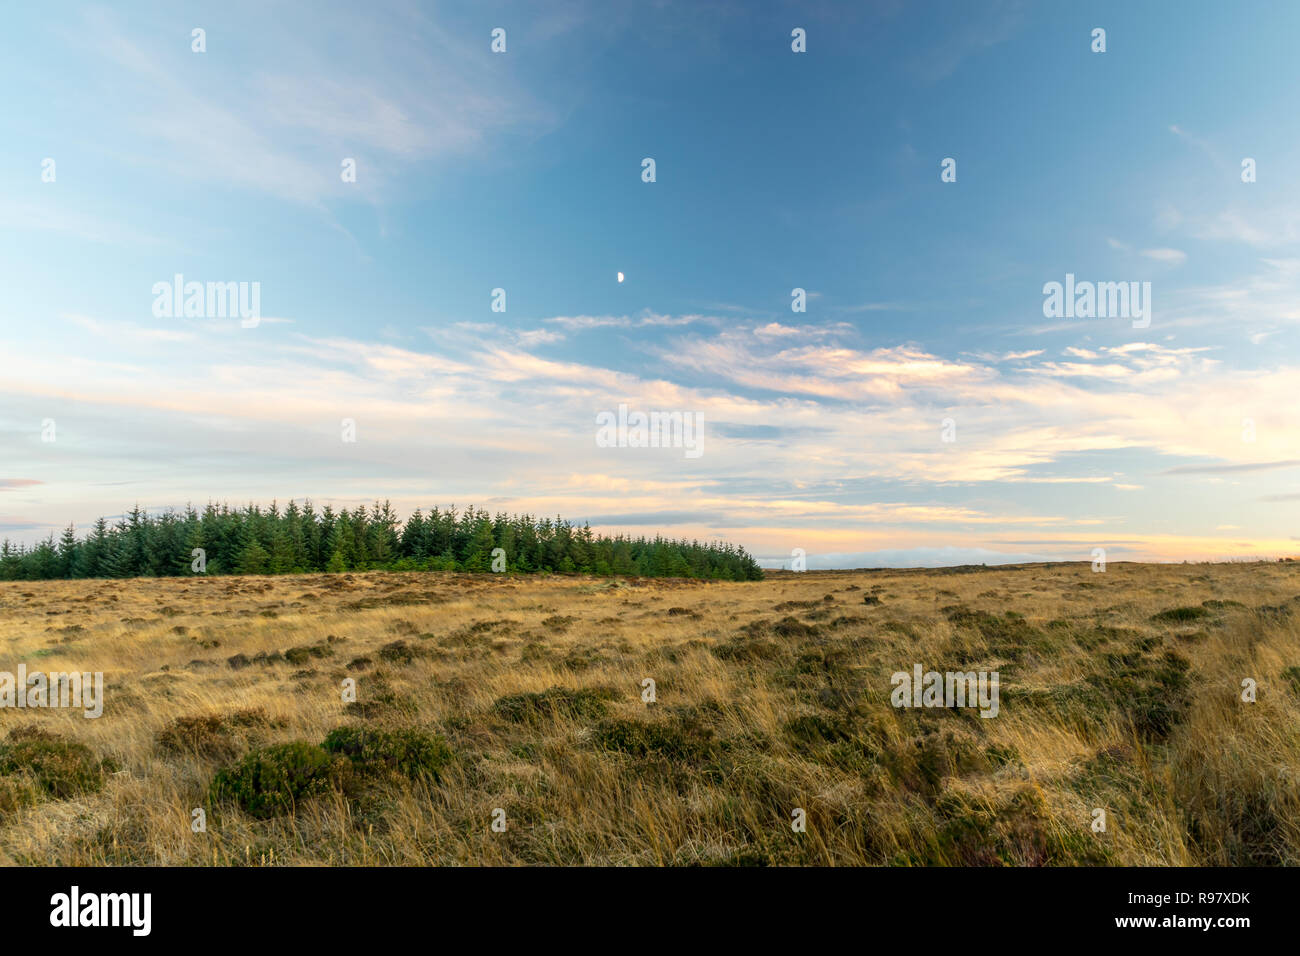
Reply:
x=817 y=729
x=16 y=792
x=922 y=762
x=747 y=648
x=1180 y=615
x=212 y=737
x=555 y=703
x=1292 y=677
x=377 y=698
x=301 y=655
x=1008 y=636
x=275 y=780
x=1017 y=830
x=411 y=753
x=399 y=652
x=672 y=739
x=1152 y=689
x=263 y=658
x=795 y=630
x=582 y=658
x=804 y=605
x=824 y=676
x=49 y=765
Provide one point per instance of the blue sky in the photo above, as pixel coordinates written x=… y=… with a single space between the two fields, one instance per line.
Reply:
x=775 y=170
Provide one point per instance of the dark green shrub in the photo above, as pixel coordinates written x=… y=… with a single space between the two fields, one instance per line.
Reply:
x=921 y=763
x=275 y=780
x=1180 y=615
x=816 y=729
x=411 y=753
x=580 y=659
x=555 y=703
x=1153 y=691
x=1000 y=756
x=1083 y=707
x=746 y=647
x=1010 y=636
x=301 y=655
x=378 y=699
x=398 y=652
x=794 y=629
x=639 y=739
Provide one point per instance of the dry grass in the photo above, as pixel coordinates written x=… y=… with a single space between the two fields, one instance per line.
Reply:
x=770 y=697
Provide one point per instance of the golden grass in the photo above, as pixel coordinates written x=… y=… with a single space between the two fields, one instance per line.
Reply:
x=760 y=711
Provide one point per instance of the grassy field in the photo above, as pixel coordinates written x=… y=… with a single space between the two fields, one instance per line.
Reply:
x=1120 y=691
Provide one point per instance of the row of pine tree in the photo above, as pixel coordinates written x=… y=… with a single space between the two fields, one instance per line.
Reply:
x=300 y=539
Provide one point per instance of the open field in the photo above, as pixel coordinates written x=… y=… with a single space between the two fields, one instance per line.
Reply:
x=1120 y=691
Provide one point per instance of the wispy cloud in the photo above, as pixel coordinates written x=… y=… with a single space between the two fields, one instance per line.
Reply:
x=269 y=129
x=8 y=484
x=1231 y=469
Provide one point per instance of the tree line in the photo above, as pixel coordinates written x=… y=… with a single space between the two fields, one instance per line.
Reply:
x=301 y=540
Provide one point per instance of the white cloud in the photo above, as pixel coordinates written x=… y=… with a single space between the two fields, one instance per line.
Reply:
x=1173 y=256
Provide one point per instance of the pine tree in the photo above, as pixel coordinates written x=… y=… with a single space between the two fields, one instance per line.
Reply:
x=68 y=552
x=254 y=559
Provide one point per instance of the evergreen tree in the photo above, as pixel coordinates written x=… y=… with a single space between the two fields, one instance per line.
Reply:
x=68 y=552
x=254 y=559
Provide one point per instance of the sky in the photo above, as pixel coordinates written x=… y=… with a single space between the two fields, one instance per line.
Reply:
x=924 y=408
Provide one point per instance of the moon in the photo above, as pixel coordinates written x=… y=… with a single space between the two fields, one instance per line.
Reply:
x=620 y=277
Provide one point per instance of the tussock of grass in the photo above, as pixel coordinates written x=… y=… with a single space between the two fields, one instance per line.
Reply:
x=555 y=703
x=213 y=737
x=36 y=763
